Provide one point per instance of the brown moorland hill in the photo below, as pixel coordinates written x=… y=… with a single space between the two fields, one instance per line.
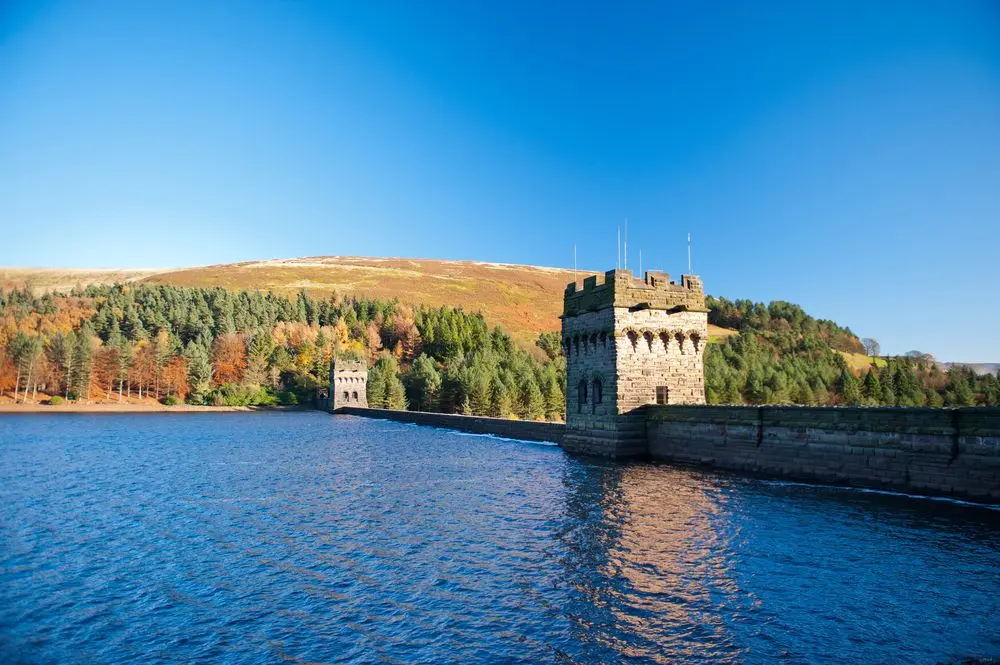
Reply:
x=41 y=280
x=524 y=300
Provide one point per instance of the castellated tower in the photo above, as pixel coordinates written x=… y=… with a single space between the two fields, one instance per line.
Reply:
x=629 y=343
x=348 y=384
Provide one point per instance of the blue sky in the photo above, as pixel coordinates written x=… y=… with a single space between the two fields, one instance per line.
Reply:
x=843 y=156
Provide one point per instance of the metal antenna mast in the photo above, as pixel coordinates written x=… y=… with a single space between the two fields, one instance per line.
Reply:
x=574 y=264
x=626 y=243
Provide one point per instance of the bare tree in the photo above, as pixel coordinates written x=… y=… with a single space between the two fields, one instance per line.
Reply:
x=871 y=346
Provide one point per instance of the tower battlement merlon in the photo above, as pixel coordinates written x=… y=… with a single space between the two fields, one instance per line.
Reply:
x=621 y=289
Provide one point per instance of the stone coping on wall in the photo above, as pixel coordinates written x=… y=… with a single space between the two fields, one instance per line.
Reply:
x=963 y=421
x=526 y=430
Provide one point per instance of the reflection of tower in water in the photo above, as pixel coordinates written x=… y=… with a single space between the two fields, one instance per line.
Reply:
x=649 y=555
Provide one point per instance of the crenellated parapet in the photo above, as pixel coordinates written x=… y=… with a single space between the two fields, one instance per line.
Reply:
x=619 y=288
x=348 y=383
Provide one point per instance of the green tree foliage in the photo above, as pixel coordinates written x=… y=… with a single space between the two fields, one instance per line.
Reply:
x=423 y=384
x=442 y=358
x=551 y=344
x=871 y=389
x=385 y=389
x=848 y=388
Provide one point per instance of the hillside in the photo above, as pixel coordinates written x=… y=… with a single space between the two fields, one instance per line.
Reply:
x=261 y=332
x=524 y=300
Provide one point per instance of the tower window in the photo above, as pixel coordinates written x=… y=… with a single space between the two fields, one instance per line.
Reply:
x=598 y=391
x=346 y=396
x=662 y=395
x=581 y=395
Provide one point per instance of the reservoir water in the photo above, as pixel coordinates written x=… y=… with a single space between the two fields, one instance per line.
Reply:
x=304 y=538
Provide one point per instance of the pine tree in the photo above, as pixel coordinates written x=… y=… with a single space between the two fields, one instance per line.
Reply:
x=848 y=388
x=499 y=399
x=83 y=360
x=423 y=384
x=199 y=367
x=532 y=405
x=872 y=388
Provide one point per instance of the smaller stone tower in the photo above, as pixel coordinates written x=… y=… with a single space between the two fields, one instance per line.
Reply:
x=348 y=384
x=629 y=343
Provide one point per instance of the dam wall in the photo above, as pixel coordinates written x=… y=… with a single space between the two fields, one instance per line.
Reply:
x=949 y=452
x=527 y=430
x=941 y=452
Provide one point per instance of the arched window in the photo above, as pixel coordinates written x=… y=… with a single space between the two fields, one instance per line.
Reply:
x=576 y=344
x=598 y=392
x=648 y=336
x=696 y=341
x=355 y=395
x=346 y=396
x=680 y=340
x=581 y=395
x=604 y=340
x=633 y=338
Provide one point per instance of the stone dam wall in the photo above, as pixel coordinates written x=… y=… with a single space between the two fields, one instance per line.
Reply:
x=943 y=452
x=949 y=452
x=526 y=430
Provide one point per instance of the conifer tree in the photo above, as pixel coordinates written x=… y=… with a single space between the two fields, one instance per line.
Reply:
x=532 y=407
x=872 y=388
x=83 y=358
x=848 y=388
x=500 y=402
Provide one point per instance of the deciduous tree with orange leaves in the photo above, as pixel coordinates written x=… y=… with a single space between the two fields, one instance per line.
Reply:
x=175 y=377
x=229 y=358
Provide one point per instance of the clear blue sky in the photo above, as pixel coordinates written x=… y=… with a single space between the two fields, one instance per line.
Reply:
x=843 y=156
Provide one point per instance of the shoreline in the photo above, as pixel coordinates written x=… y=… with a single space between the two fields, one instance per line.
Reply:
x=33 y=409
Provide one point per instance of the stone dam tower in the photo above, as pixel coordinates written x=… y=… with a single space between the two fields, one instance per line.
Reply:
x=629 y=343
x=348 y=384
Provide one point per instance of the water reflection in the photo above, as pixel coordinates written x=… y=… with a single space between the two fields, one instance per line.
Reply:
x=299 y=537
x=659 y=554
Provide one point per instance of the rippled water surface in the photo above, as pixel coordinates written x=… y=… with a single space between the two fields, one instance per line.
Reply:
x=299 y=537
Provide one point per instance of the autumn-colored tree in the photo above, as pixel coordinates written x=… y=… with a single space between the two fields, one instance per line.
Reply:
x=143 y=370
x=229 y=358
x=175 y=377
x=403 y=334
x=107 y=366
x=373 y=342
x=8 y=373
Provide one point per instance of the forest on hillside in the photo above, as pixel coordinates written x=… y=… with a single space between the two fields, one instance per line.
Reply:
x=218 y=347
x=239 y=348
x=782 y=355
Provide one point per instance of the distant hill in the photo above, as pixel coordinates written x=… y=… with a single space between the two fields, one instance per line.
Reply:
x=979 y=368
x=524 y=300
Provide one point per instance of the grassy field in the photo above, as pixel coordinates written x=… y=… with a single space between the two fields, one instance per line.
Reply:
x=860 y=363
x=524 y=300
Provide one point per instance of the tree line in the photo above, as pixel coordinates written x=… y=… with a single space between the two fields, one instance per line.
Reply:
x=220 y=347
x=781 y=355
